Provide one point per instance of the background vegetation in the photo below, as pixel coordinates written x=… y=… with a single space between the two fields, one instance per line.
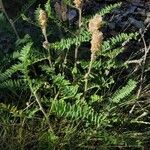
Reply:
x=57 y=92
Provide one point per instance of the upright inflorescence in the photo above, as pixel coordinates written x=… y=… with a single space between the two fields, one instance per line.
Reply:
x=96 y=42
x=43 y=22
x=42 y=18
x=95 y=25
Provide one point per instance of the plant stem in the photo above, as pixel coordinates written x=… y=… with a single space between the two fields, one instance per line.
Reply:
x=10 y=20
x=49 y=58
x=80 y=23
x=88 y=73
x=46 y=46
x=76 y=55
x=80 y=17
x=44 y=33
x=37 y=97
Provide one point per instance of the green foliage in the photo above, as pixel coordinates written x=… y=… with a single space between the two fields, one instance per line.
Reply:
x=109 y=8
x=65 y=87
x=11 y=84
x=4 y=25
x=48 y=8
x=10 y=109
x=53 y=81
x=122 y=38
x=84 y=36
x=79 y=112
x=123 y=92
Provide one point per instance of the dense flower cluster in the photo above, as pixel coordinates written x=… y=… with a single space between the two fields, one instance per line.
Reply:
x=42 y=18
x=95 y=23
x=96 y=42
x=97 y=36
x=78 y=3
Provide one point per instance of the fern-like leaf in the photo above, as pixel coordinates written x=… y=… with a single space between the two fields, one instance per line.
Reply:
x=8 y=73
x=65 y=87
x=11 y=84
x=24 y=54
x=48 y=8
x=114 y=41
x=79 y=111
x=109 y=9
x=67 y=43
x=124 y=92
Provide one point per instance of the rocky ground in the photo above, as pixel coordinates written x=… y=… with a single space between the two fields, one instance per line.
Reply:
x=133 y=16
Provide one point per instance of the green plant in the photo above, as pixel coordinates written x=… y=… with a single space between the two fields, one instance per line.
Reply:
x=53 y=79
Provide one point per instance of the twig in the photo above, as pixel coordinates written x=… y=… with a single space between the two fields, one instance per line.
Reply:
x=146 y=49
x=46 y=46
x=139 y=61
x=140 y=122
x=80 y=16
x=37 y=97
x=10 y=20
x=88 y=73
x=77 y=46
x=76 y=55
